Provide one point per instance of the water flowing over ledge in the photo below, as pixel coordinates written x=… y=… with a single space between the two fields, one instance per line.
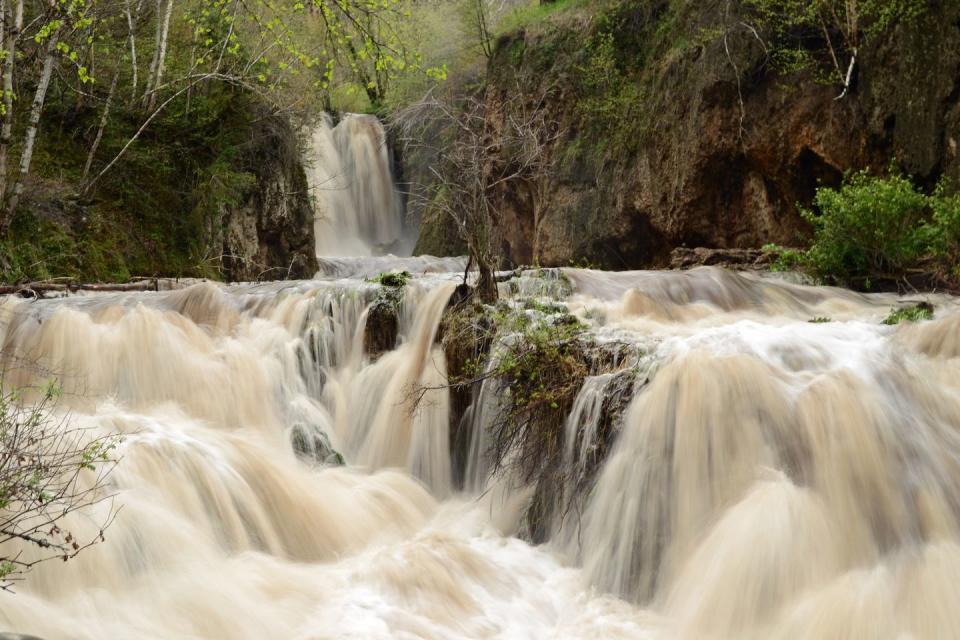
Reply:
x=358 y=210
x=725 y=467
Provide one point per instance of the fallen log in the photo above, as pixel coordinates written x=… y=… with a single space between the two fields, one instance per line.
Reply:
x=43 y=288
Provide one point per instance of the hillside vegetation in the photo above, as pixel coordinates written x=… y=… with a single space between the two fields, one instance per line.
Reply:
x=165 y=138
x=161 y=138
x=712 y=124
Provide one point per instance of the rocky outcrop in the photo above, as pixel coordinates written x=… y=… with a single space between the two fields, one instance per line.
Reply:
x=269 y=235
x=220 y=194
x=686 y=258
x=687 y=137
x=381 y=328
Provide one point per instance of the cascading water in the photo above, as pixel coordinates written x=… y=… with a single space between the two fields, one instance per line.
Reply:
x=358 y=210
x=766 y=476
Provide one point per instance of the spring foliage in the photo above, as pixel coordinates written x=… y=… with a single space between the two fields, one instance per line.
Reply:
x=825 y=36
x=48 y=470
x=118 y=68
x=875 y=227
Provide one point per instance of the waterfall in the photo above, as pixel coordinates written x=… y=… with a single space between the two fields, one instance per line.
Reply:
x=726 y=469
x=358 y=209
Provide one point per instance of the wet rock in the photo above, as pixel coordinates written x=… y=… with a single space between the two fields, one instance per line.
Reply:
x=466 y=333
x=312 y=444
x=686 y=258
x=560 y=490
x=269 y=233
x=382 y=327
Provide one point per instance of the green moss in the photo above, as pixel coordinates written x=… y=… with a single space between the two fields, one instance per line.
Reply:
x=783 y=259
x=392 y=279
x=619 y=64
x=156 y=212
x=533 y=13
x=42 y=250
x=545 y=307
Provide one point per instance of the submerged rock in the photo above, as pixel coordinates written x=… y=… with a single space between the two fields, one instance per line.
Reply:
x=314 y=445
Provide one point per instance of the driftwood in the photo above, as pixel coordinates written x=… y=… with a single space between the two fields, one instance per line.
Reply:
x=46 y=287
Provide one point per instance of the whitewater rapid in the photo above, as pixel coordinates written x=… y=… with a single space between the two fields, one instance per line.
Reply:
x=772 y=477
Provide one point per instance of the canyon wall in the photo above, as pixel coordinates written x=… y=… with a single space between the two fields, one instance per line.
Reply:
x=679 y=130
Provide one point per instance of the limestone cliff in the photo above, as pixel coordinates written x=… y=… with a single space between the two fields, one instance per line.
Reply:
x=269 y=234
x=220 y=194
x=679 y=131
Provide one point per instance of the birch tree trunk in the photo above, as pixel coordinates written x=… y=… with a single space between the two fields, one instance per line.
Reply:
x=133 y=47
x=13 y=24
x=156 y=54
x=103 y=125
x=161 y=64
x=159 y=57
x=31 y=137
x=3 y=142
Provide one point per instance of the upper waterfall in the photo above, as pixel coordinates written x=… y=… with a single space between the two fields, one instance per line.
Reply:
x=358 y=210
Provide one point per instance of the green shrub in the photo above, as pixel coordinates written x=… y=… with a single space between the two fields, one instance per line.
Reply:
x=870 y=225
x=945 y=233
x=610 y=99
x=392 y=279
x=783 y=259
x=916 y=313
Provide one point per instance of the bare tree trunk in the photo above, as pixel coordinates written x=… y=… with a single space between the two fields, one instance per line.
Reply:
x=3 y=142
x=486 y=282
x=103 y=125
x=30 y=139
x=539 y=196
x=161 y=63
x=849 y=77
x=13 y=23
x=156 y=53
x=159 y=56
x=537 y=224
x=133 y=47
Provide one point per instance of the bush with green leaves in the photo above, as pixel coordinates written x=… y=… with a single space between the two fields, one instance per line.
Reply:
x=824 y=37
x=870 y=225
x=783 y=258
x=913 y=313
x=49 y=469
x=392 y=279
x=878 y=228
x=945 y=232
